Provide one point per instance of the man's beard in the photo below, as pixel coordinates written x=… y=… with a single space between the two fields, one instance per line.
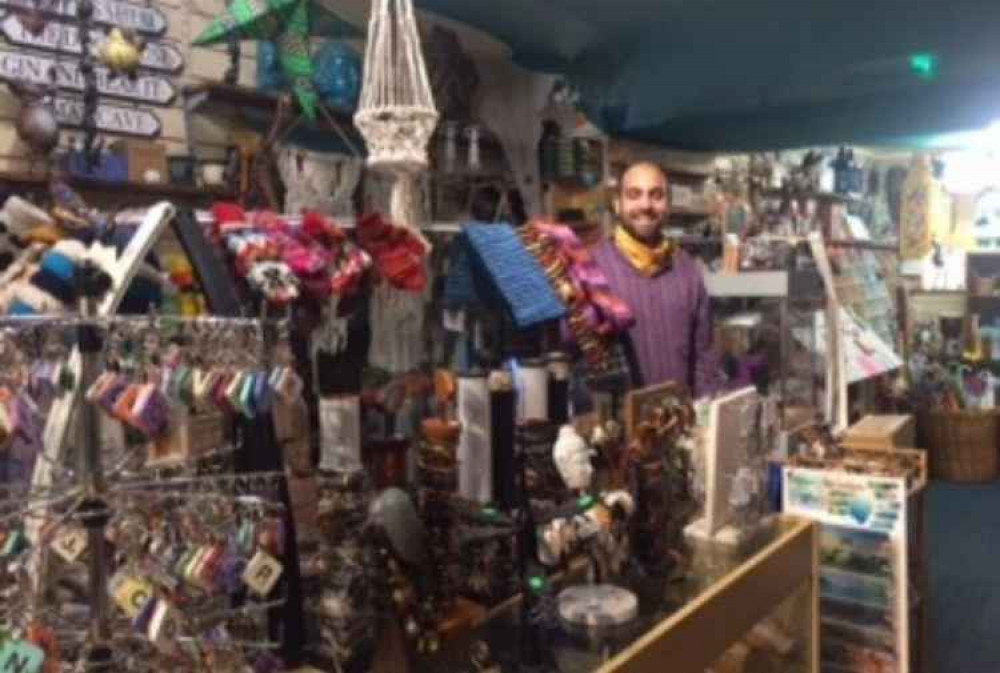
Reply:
x=654 y=234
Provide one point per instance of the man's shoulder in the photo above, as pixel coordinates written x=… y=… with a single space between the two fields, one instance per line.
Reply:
x=686 y=265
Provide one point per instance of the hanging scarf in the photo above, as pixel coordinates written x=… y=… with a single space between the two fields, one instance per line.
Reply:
x=649 y=261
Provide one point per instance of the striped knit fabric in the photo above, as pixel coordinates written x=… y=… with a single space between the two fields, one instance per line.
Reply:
x=672 y=335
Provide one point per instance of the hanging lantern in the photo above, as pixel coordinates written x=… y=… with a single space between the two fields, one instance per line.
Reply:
x=396 y=115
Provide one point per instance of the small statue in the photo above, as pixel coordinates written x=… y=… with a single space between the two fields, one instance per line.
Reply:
x=597 y=521
x=121 y=52
x=572 y=458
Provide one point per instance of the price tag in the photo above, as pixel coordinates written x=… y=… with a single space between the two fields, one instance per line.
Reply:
x=70 y=543
x=130 y=594
x=262 y=573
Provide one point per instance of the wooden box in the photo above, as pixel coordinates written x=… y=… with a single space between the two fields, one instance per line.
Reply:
x=881 y=432
x=143 y=157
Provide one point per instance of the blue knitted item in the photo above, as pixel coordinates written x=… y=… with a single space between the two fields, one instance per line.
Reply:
x=460 y=290
x=497 y=252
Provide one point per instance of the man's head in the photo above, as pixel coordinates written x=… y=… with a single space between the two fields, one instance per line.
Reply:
x=642 y=200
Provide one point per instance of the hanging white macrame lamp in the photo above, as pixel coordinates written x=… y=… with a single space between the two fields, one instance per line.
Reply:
x=396 y=114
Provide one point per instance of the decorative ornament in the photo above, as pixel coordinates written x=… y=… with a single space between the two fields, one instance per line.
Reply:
x=36 y=124
x=270 y=77
x=337 y=76
x=121 y=52
x=287 y=23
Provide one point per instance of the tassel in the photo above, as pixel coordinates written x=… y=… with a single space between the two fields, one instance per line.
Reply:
x=450 y=147
x=475 y=162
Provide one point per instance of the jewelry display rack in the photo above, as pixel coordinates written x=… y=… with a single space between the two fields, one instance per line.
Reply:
x=93 y=495
x=93 y=509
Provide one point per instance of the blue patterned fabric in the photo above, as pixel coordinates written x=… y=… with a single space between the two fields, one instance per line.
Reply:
x=495 y=252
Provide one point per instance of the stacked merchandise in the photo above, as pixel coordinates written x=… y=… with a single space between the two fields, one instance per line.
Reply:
x=346 y=606
x=541 y=478
x=438 y=479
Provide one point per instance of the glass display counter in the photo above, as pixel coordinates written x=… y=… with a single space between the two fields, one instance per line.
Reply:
x=746 y=609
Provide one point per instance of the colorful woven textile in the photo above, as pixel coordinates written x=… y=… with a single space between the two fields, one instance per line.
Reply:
x=399 y=254
x=497 y=256
x=271 y=253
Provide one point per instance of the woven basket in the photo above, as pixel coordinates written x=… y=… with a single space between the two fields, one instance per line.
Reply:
x=961 y=445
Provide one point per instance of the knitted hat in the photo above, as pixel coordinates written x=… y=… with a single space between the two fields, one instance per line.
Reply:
x=51 y=287
x=398 y=253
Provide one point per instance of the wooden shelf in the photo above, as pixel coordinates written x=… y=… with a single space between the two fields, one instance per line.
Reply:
x=201 y=98
x=689 y=212
x=749 y=284
x=197 y=95
x=130 y=189
x=890 y=246
x=829 y=197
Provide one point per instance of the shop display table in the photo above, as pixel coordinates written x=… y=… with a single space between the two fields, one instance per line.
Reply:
x=685 y=625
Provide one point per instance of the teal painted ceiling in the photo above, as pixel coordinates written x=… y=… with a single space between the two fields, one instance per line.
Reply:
x=749 y=75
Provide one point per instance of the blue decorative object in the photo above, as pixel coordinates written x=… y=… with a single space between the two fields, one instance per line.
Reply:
x=497 y=254
x=269 y=74
x=337 y=75
x=109 y=167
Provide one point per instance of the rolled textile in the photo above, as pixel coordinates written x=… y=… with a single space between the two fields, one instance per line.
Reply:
x=502 y=419
x=533 y=391
x=340 y=433
x=475 y=457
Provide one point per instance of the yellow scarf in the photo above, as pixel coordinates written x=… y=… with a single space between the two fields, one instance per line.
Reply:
x=649 y=261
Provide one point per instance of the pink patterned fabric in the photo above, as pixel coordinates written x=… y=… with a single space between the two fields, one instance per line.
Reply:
x=604 y=310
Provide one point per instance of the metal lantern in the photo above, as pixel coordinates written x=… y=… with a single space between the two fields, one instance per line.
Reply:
x=396 y=115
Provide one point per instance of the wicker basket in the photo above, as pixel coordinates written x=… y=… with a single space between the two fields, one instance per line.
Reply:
x=961 y=445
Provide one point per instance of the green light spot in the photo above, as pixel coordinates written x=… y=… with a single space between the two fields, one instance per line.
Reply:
x=490 y=512
x=924 y=65
x=536 y=583
x=585 y=501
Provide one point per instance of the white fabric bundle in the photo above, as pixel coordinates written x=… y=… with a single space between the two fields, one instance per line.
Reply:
x=475 y=453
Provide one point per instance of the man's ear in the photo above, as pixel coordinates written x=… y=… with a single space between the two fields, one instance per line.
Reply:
x=616 y=205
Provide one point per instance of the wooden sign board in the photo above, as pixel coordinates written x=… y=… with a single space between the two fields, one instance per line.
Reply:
x=30 y=67
x=141 y=18
x=116 y=119
x=65 y=39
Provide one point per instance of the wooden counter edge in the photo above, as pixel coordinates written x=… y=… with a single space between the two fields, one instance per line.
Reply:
x=693 y=638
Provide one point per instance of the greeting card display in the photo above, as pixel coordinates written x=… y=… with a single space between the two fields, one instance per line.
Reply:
x=864 y=578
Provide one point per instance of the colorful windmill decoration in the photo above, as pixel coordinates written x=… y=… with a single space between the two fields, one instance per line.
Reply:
x=288 y=24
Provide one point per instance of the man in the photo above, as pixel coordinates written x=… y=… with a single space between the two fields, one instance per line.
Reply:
x=672 y=336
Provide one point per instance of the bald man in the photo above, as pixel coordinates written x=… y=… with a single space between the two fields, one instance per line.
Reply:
x=672 y=336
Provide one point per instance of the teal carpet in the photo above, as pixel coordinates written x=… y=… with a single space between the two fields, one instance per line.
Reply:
x=964 y=565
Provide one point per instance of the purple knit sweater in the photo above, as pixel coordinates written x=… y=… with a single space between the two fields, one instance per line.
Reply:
x=672 y=336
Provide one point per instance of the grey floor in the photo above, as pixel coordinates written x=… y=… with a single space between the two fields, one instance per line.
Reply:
x=964 y=567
